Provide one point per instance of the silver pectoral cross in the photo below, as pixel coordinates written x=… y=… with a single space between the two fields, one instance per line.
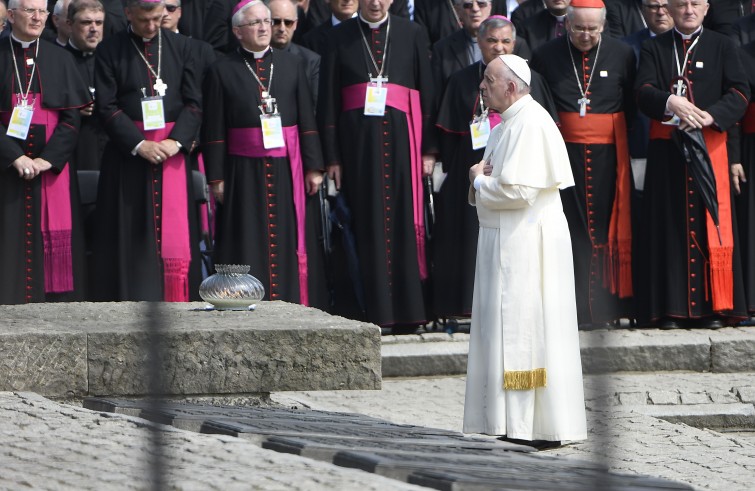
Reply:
x=160 y=87
x=269 y=105
x=583 y=102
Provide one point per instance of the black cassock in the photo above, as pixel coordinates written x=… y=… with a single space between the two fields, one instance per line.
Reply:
x=588 y=205
x=673 y=252
x=456 y=227
x=256 y=224
x=92 y=137
x=21 y=246
x=374 y=154
x=130 y=194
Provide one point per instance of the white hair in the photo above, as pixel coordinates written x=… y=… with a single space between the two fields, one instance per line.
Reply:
x=238 y=17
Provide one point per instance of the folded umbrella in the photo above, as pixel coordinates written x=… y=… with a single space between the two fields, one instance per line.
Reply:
x=692 y=145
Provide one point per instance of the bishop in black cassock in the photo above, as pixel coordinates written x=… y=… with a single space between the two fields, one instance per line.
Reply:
x=689 y=277
x=41 y=241
x=146 y=244
x=263 y=220
x=381 y=157
x=591 y=77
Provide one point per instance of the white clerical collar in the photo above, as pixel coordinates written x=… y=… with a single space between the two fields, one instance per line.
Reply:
x=145 y=40
x=257 y=54
x=85 y=53
x=515 y=107
x=24 y=44
x=689 y=36
x=334 y=20
x=374 y=25
x=559 y=18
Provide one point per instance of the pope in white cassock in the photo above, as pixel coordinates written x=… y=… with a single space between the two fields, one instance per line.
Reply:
x=524 y=376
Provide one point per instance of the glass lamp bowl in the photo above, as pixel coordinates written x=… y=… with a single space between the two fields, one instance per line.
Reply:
x=231 y=288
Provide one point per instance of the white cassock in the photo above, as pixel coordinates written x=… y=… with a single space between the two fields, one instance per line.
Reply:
x=524 y=317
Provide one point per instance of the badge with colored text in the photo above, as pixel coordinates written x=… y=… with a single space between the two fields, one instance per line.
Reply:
x=374 y=99
x=272 y=131
x=153 y=115
x=20 y=121
x=479 y=129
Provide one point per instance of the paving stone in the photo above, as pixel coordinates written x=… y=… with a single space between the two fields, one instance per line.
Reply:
x=721 y=397
x=733 y=349
x=695 y=398
x=633 y=398
x=423 y=359
x=746 y=394
x=663 y=397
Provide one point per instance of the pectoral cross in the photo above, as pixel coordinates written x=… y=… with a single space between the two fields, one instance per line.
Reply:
x=160 y=87
x=91 y=91
x=379 y=80
x=583 y=102
x=268 y=104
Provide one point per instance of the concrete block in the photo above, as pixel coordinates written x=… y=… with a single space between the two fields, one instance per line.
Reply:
x=733 y=349
x=425 y=359
x=723 y=397
x=746 y=394
x=633 y=398
x=278 y=347
x=644 y=351
x=39 y=356
x=695 y=398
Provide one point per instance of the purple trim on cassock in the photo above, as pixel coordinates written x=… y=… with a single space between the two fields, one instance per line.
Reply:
x=407 y=101
x=174 y=236
x=248 y=142
x=55 y=223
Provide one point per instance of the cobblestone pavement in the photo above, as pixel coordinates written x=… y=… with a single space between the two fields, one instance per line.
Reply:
x=46 y=445
x=623 y=433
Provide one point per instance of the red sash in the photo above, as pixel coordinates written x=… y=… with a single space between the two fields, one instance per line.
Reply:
x=610 y=129
x=174 y=241
x=247 y=142
x=56 y=222
x=407 y=101
x=720 y=254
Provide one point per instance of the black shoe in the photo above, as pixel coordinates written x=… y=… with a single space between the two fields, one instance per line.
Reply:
x=536 y=444
x=667 y=323
x=711 y=322
x=748 y=322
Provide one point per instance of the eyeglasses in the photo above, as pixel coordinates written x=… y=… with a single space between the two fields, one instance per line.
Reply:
x=592 y=31
x=172 y=8
x=31 y=12
x=287 y=22
x=655 y=7
x=469 y=5
x=256 y=23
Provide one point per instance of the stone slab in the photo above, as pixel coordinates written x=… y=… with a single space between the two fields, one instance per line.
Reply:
x=733 y=349
x=425 y=358
x=646 y=350
x=102 y=349
x=703 y=415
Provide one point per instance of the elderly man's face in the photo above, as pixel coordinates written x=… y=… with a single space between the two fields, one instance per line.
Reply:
x=495 y=86
x=146 y=23
x=374 y=10
x=688 y=15
x=28 y=19
x=254 y=32
x=585 y=26
x=284 y=16
x=172 y=15
x=497 y=41
x=87 y=28
x=472 y=12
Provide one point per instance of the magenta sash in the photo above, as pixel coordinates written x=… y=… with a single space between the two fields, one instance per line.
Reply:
x=407 y=101
x=495 y=119
x=55 y=222
x=175 y=251
x=247 y=142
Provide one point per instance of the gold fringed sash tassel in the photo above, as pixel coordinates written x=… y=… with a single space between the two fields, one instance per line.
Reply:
x=524 y=379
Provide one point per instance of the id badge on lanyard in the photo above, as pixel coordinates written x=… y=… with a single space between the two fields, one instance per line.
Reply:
x=479 y=129
x=153 y=115
x=20 y=121
x=272 y=131
x=375 y=97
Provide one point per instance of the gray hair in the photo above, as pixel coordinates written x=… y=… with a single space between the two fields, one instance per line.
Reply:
x=495 y=23
x=238 y=17
x=570 y=13
x=58 y=8
x=521 y=85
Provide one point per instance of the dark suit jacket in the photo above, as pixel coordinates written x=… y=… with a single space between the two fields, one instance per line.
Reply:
x=193 y=18
x=524 y=11
x=639 y=127
x=744 y=30
x=538 y=29
x=311 y=67
x=623 y=17
x=722 y=14
x=438 y=20
x=317 y=39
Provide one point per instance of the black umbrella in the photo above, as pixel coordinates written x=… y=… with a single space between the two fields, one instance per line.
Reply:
x=326 y=228
x=429 y=207
x=692 y=145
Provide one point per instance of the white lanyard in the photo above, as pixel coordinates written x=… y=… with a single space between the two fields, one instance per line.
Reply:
x=679 y=70
x=584 y=101
x=159 y=86
x=379 y=77
x=23 y=96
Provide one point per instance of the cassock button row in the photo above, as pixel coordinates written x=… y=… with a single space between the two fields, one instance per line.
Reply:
x=693 y=275
x=693 y=289
x=28 y=287
x=693 y=260
x=691 y=219
x=589 y=169
x=691 y=205
x=589 y=92
x=693 y=303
